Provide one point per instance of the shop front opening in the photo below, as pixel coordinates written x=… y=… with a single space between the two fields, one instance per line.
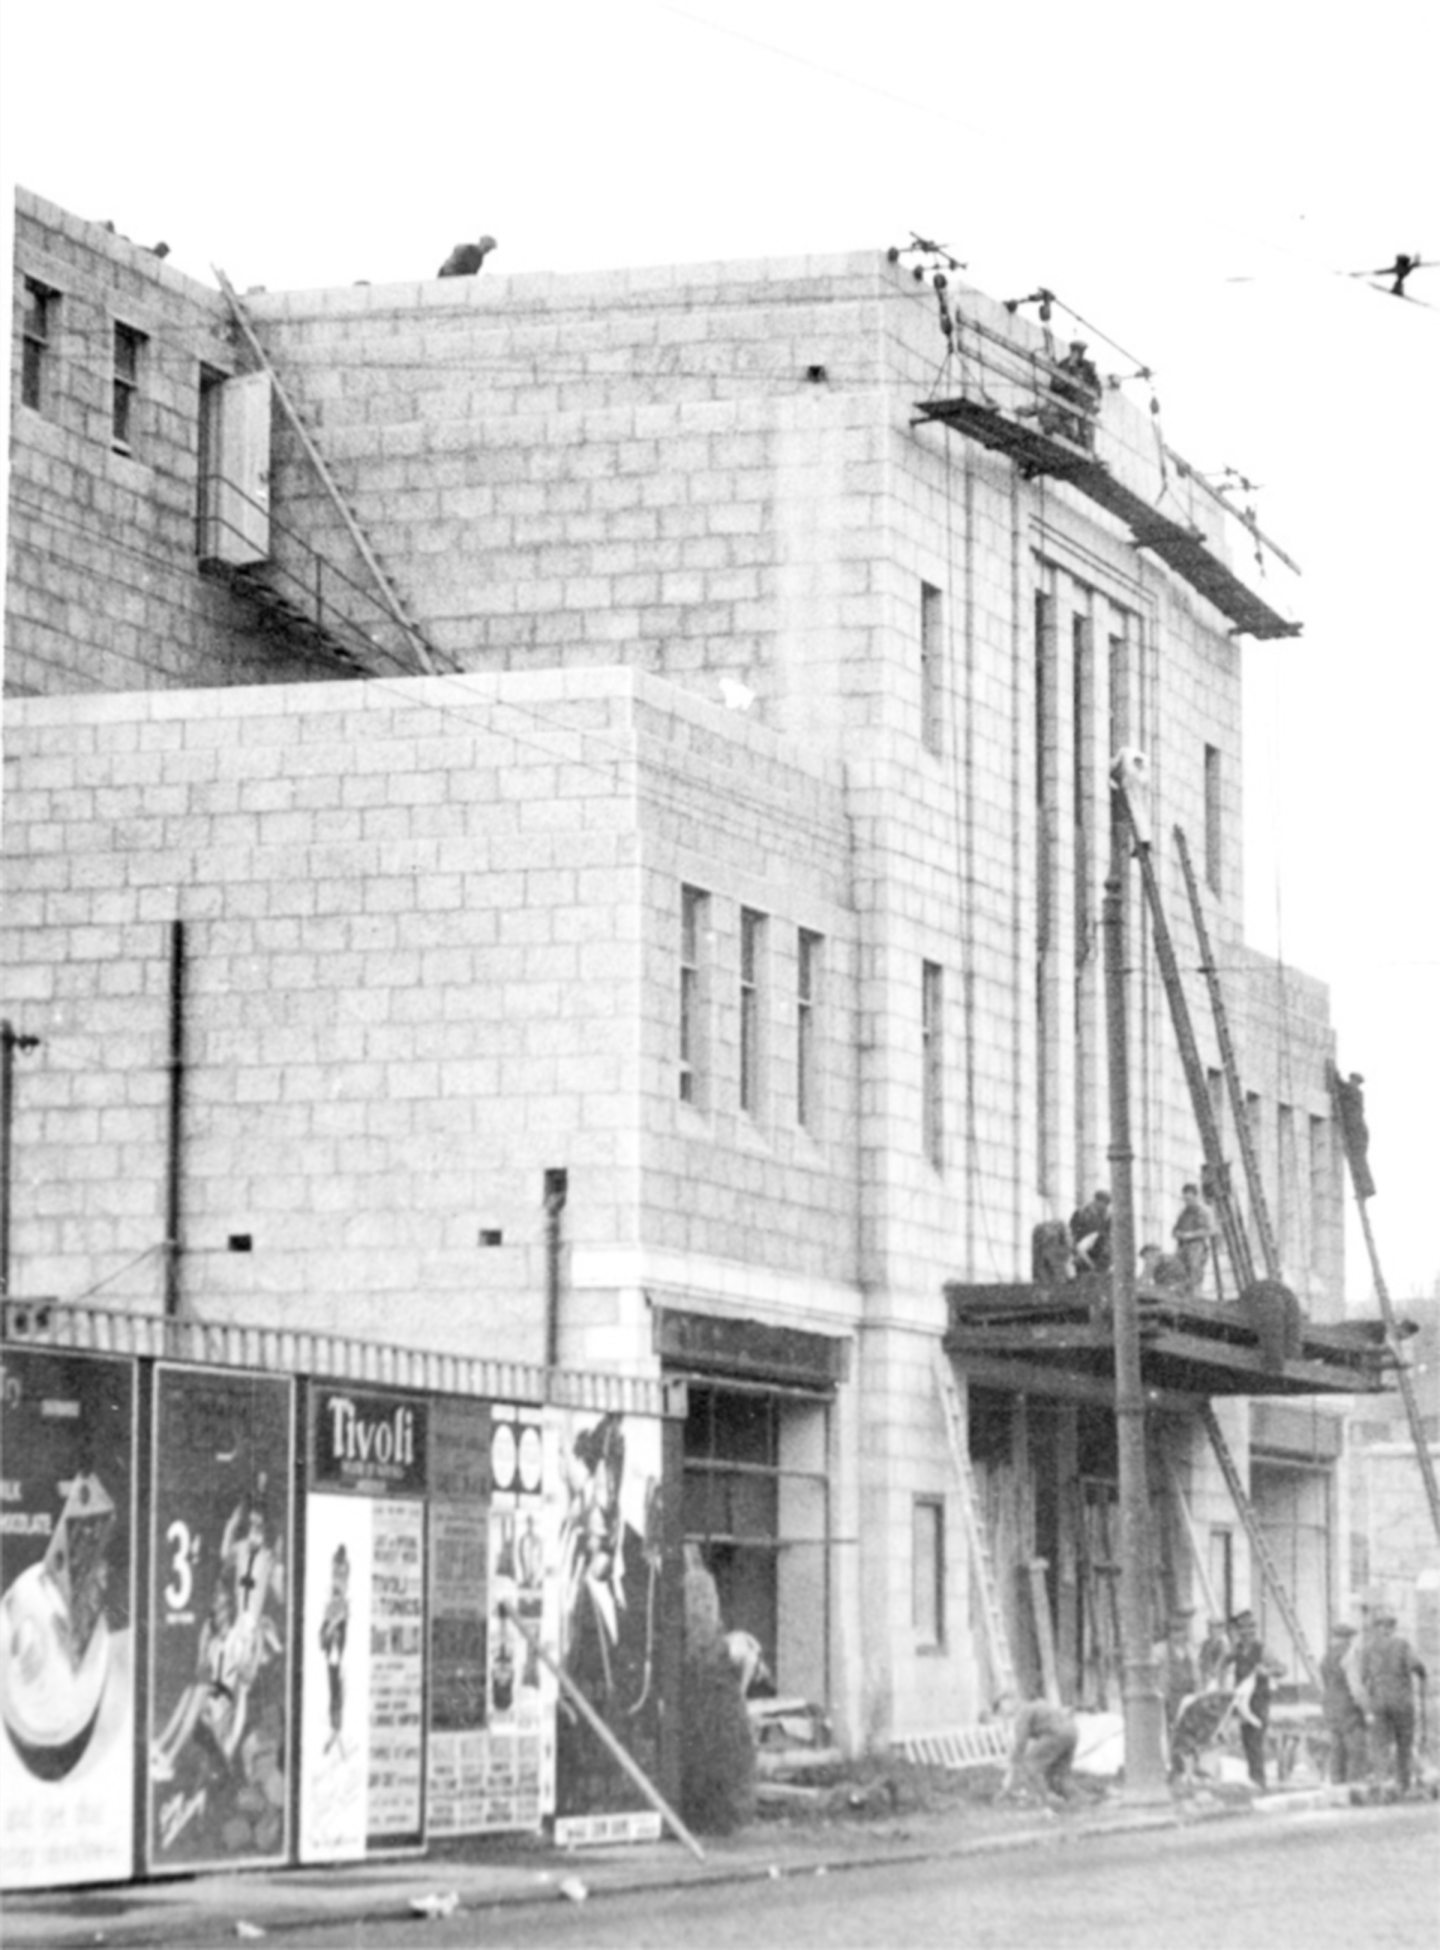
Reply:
x=757 y=1508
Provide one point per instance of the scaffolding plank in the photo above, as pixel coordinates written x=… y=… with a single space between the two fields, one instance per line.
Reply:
x=1039 y=450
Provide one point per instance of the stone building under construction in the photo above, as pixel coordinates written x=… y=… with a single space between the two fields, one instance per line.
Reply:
x=564 y=819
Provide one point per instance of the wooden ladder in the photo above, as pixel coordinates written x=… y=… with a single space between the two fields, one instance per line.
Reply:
x=1269 y=1570
x=981 y=1558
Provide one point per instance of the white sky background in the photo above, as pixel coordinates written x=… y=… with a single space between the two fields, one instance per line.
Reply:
x=1135 y=158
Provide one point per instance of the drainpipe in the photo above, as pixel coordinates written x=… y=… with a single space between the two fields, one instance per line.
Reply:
x=175 y=1107
x=10 y=1041
x=1145 y=1781
x=557 y=1185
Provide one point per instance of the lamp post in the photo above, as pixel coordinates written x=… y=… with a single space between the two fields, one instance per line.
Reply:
x=1145 y=1774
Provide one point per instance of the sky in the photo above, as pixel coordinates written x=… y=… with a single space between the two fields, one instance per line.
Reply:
x=1197 y=184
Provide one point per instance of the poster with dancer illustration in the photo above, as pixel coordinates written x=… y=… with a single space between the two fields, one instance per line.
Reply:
x=335 y=1679
x=364 y=1625
x=68 y=1434
x=219 y=1748
x=609 y=1606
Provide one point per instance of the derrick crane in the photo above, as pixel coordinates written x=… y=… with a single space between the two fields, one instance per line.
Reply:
x=1128 y=778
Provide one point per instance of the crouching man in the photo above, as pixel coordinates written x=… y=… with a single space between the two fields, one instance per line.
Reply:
x=1042 y=1748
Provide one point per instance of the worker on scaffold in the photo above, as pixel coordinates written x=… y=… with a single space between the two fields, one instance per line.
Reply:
x=1077 y=383
x=1192 y=1233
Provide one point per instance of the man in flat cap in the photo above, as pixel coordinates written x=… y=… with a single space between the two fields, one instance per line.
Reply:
x=1253 y=1669
x=1344 y=1715
x=1388 y=1671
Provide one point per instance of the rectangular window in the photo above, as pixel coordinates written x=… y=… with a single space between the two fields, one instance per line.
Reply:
x=1287 y=1185
x=1320 y=1206
x=932 y=668
x=40 y=306
x=1214 y=823
x=807 y=1055
x=1119 y=700
x=752 y=1026
x=694 y=916
x=129 y=346
x=933 y=1057
x=928 y=1596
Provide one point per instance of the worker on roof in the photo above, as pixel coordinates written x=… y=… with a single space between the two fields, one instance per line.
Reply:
x=1051 y=1259
x=1077 y=383
x=465 y=260
x=1090 y=1234
x=1192 y=1233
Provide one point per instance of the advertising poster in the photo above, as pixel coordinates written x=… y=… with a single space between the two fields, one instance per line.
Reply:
x=363 y=1661
x=396 y=1786
x=335 y=1679
x=67 y=1608
x=520 y=1692
x=609 y=1605
x=459 y=1546
x=219 y=1751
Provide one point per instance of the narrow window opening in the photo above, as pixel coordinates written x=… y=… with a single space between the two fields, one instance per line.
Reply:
x=752 y=1023
x=37 y=330
x=933 y=1057
x=807 y=1002
x=928 y=1597
x=694 y=905
x=1214 y=822
x=129 y=345
x=932 y=668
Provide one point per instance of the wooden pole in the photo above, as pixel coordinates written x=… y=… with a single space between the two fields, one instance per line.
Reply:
x=1145 y=1770
x=587 y=1712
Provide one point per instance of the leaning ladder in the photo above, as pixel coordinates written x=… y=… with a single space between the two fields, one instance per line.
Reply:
x=981 y=1559
x=1269 y=1571
x=1244 y=1138
x=1413 y=1417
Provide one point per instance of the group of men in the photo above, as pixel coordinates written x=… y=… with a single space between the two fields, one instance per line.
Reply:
x=1369 y=1686
x=1369 y=1682
x=1231 y=1680
x=1084 y=1246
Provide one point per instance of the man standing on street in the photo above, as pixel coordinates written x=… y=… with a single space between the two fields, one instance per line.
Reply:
x=1253 y=1669
x=1344 y=1716
x=1388 y=1671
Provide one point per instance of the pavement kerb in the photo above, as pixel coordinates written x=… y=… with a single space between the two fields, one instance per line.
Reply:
x=210 y=1907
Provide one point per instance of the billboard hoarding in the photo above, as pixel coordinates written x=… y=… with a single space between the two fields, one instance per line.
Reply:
x=219 y=1759
x=68 y=1440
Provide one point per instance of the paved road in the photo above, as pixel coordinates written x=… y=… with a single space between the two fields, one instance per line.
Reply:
x=1355 y=1880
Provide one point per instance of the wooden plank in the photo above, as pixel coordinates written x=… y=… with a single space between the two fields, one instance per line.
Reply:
x=1303 y=1377
x=1018 y=1377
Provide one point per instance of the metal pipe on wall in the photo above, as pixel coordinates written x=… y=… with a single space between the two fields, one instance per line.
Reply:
x=557 y=1185
x=175 y=1108
x=10 y=1041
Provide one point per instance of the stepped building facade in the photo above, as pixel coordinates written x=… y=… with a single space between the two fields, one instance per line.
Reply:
x=564 y=820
